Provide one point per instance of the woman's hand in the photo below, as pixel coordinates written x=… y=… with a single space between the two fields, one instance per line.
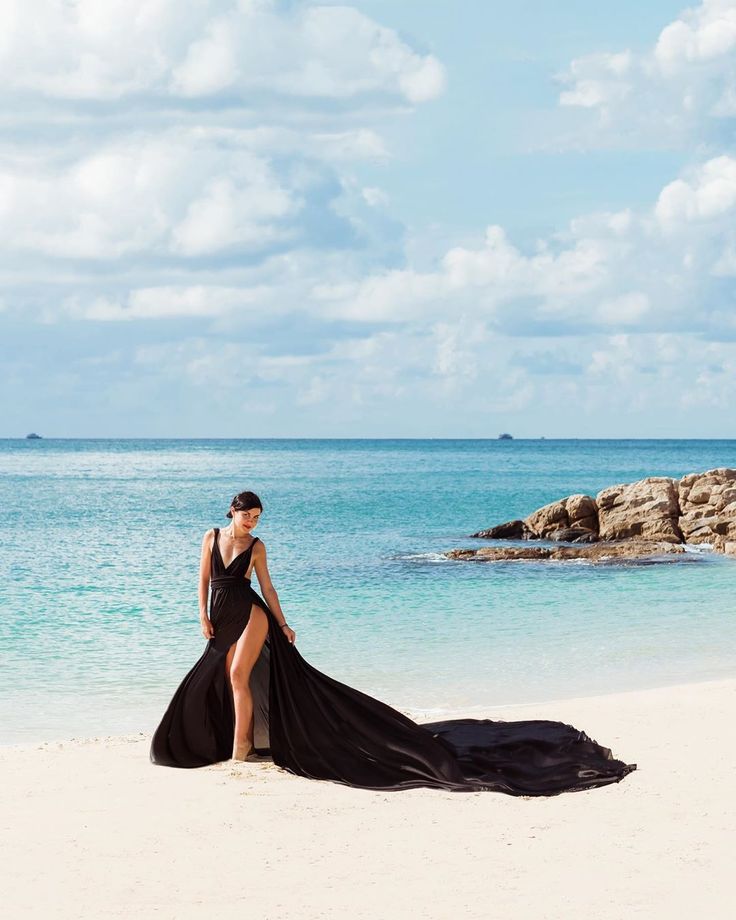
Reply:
x=289 y=633
x=208 y=630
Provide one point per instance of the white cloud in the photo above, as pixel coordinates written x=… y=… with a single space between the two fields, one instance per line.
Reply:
x=456 y=350
x=359 y=144
x=598 y=79
x=228 y=213
x=481 y=279
x=701 y=34
x=624 y=310
x=705 y=194
x=375 y=197
x=674 y=372
x=164 y=302
x=125 y=49
x=648 y=271
x=210 y=63
x=230 y=366
x=167 y=194
x=664 y=95
x=315 y=392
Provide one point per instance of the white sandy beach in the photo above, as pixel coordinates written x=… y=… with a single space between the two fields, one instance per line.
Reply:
x=91 y=829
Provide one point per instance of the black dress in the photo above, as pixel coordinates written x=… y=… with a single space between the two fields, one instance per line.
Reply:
x=315 y=726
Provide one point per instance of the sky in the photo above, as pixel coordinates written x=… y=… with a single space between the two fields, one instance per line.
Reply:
x=393 y=218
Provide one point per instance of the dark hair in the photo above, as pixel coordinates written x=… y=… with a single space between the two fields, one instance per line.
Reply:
x=244 y=501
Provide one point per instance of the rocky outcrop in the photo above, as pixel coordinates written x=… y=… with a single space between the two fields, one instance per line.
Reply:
x=659 y=510
x=615 y=551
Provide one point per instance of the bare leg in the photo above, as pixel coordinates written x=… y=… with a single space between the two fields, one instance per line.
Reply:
x=246 y=652
x=228 y=664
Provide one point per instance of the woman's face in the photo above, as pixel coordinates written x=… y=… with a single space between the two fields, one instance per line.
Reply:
x=246 y=520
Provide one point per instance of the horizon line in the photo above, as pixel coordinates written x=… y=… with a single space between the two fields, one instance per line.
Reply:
x=348 y=438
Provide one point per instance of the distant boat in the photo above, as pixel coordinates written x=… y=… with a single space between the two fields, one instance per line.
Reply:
x=505 y=437
x=33 y=436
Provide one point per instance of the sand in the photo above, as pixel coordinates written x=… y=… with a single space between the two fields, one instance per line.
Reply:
x=91 y=829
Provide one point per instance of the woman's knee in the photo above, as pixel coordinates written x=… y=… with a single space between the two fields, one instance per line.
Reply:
x=240 y=677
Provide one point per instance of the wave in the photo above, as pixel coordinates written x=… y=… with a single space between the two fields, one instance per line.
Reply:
x=423 y=557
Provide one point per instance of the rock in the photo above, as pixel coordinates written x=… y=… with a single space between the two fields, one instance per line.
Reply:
x=493 y=553
x=573 y=535
x=547 y=518
x=576 y=511
x=602 y=551
x=708 y=505
x=698 y=508
x=583 y=512
x=647 y=508
x=511 y=530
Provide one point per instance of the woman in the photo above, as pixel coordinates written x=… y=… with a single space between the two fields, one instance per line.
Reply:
x=212 y=711
x=252 y=693
x=243 y=654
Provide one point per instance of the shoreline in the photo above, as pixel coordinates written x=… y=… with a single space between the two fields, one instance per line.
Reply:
x=418 y=714
x=184 y=844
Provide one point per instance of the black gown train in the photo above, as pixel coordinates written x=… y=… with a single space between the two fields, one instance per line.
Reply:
x=315 y=726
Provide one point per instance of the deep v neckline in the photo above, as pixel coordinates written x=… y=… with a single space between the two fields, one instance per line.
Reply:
x=219 y=552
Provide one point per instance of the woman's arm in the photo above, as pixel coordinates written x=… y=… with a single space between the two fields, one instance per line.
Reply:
x=260 y=564
x=204 y=575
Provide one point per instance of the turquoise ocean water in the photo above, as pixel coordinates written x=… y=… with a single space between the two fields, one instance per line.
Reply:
x=100 y=549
